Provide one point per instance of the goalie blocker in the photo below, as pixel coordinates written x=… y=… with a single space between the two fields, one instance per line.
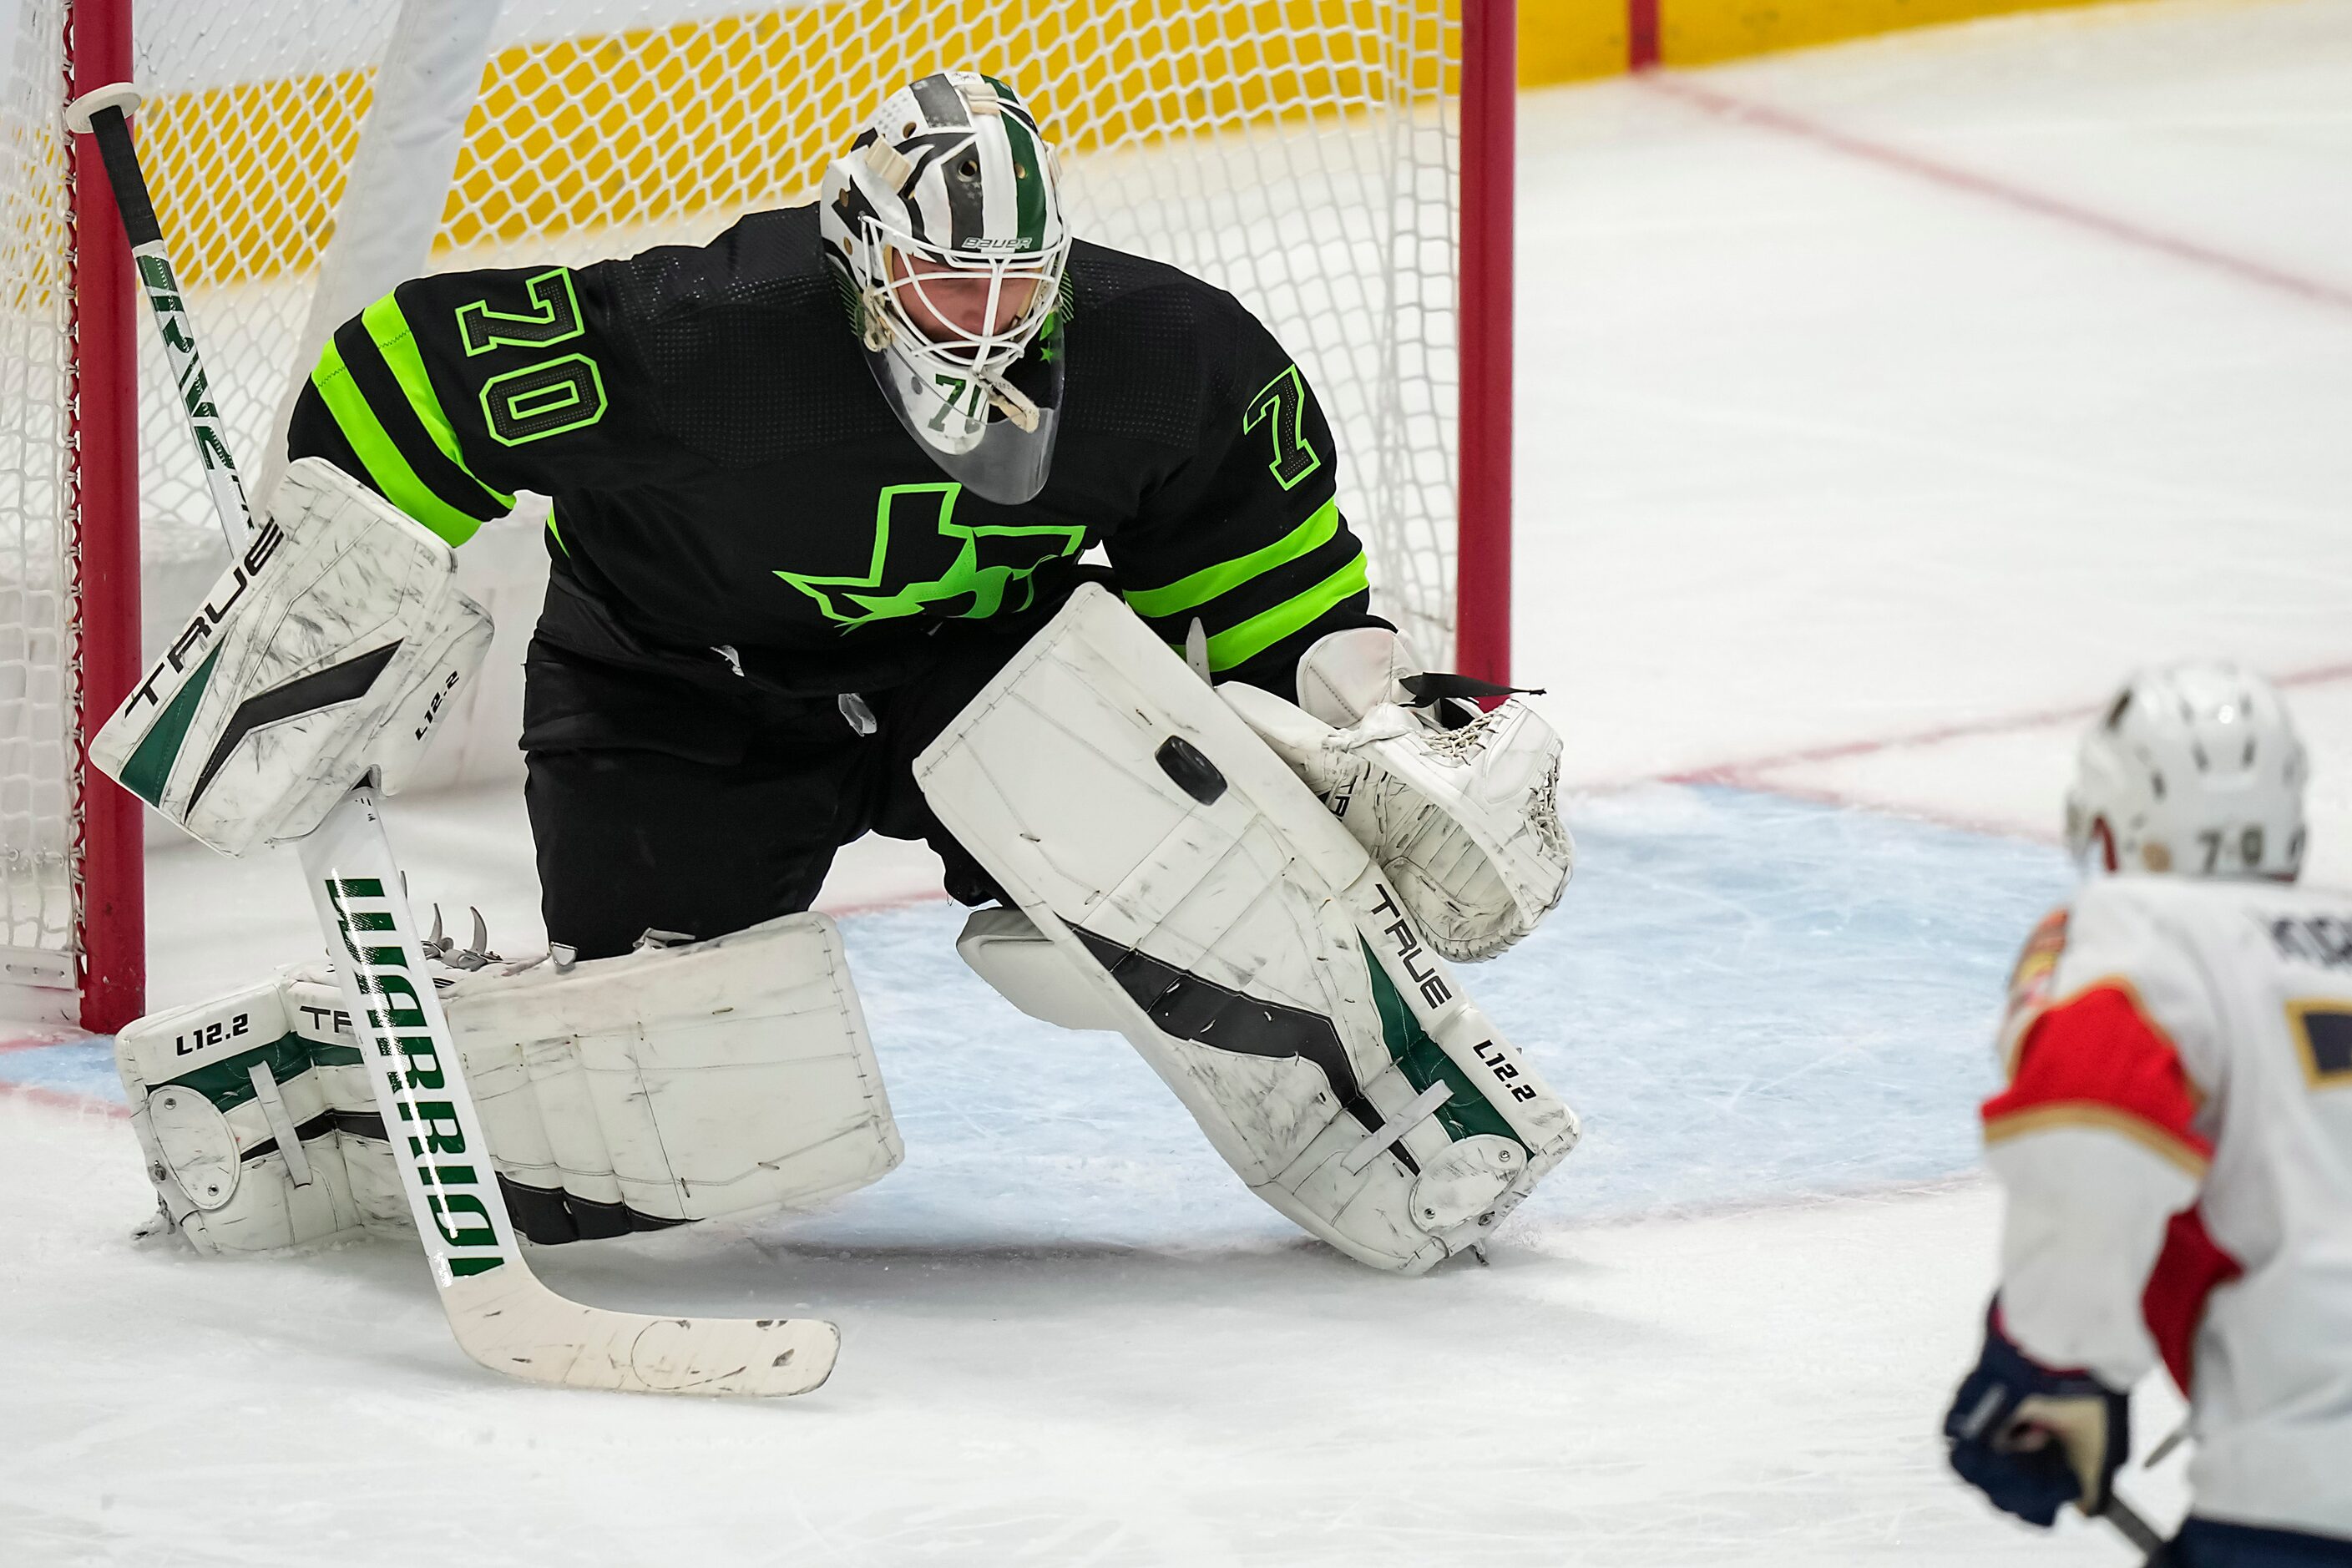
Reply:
x=1201 y=901
x=633 y=1093
x=331 y=648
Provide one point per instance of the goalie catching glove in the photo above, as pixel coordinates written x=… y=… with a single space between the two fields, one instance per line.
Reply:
x=1459 y=807
x=328 y=650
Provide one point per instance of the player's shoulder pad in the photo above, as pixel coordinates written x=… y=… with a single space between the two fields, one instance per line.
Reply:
x=1102 y=278
x=2128 y=933
x=1151 y=347
x=1115 y=290
x=743 y=343
x=765 y=263
x=2127 y=912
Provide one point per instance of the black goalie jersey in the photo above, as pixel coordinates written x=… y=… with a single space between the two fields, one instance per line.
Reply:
x=727 y=476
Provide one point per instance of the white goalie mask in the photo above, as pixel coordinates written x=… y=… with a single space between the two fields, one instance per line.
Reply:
x=2194 y=769
x=944 y=223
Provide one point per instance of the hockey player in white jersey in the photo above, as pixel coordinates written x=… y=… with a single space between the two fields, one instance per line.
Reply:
x=2175 y=1143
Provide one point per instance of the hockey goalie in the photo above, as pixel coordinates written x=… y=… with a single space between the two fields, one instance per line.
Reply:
x=821 y=491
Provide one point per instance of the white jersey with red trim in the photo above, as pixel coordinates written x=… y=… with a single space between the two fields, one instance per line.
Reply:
x=2176 y=1144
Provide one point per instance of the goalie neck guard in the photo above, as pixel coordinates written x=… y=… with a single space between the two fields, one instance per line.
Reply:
x=949 y=191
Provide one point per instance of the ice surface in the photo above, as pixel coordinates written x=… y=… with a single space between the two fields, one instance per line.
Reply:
x=83 y=1068
x=1746 y=998
x=1717 y=1390
x=1814 y=450
x=1816 y=453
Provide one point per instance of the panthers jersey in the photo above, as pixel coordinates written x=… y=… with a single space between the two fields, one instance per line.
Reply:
x=728 y=481
x=2176 y=1144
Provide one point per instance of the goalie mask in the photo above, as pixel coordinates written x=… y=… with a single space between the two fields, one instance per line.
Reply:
x=944 y=224
x=2194 y=769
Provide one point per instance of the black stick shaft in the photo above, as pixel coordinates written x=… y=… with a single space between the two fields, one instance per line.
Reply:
x=2135 y=1528
x=122 y=173
x=156 y=279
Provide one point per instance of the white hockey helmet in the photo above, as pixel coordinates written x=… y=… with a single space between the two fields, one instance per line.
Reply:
x=950 y=176
x=2195 y=769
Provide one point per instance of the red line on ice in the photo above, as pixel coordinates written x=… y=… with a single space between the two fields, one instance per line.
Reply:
x=1715 y=100
x=1740 y=773
x=58 y=1100
x=60 y=1036
x=1743 y=771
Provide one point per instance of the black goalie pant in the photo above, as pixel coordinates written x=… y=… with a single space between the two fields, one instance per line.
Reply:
x=665 y=803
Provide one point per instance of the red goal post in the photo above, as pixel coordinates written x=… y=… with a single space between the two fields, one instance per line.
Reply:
x=1344 y=166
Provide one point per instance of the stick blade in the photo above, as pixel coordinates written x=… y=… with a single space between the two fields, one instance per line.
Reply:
x=518 y=1327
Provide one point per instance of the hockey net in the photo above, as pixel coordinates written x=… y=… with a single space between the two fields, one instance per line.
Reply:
x=1302 y=153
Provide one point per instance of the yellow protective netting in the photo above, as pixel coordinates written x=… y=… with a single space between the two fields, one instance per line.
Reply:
x=1297 y=151
x=657 y=124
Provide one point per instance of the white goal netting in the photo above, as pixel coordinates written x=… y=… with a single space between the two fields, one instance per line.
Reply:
x=39 y=823
x=1299 y=153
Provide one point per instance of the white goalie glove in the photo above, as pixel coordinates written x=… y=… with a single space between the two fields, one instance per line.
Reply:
x=328 y=650
x=1464 y=817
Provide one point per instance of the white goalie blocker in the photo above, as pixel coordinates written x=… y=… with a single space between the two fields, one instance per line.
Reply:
x=725 y=1078
x=1177 y=882
x=328 y=650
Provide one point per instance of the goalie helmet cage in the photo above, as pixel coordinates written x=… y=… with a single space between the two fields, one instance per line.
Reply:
x=1343 y=166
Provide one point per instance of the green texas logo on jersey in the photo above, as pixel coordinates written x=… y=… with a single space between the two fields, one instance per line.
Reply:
x=925 y=560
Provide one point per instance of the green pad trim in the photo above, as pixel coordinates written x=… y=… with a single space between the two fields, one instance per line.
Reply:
x=1424 y=1062
x=149 y=767
x=1028 y=179
x=228 y=1082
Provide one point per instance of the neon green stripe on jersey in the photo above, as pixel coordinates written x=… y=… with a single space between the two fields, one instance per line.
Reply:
x=397 y=343
x=1191 y=593
x=1239 y=645
x=380 y=455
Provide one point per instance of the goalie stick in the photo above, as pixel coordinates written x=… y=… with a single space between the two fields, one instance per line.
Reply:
x=2133 y=1527
x=502 y=1315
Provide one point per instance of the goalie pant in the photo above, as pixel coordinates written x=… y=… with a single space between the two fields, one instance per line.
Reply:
x=2175 y=1144
x=638 y=1092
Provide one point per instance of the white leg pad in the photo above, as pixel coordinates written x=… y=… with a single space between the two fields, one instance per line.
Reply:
x=724 y=1077
x=1029 y=970
x=1244 y=943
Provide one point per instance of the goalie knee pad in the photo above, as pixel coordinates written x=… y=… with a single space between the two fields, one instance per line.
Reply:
x=718 y=1078
x=629 y=1093
x=1246 y=945
x=330 y=648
